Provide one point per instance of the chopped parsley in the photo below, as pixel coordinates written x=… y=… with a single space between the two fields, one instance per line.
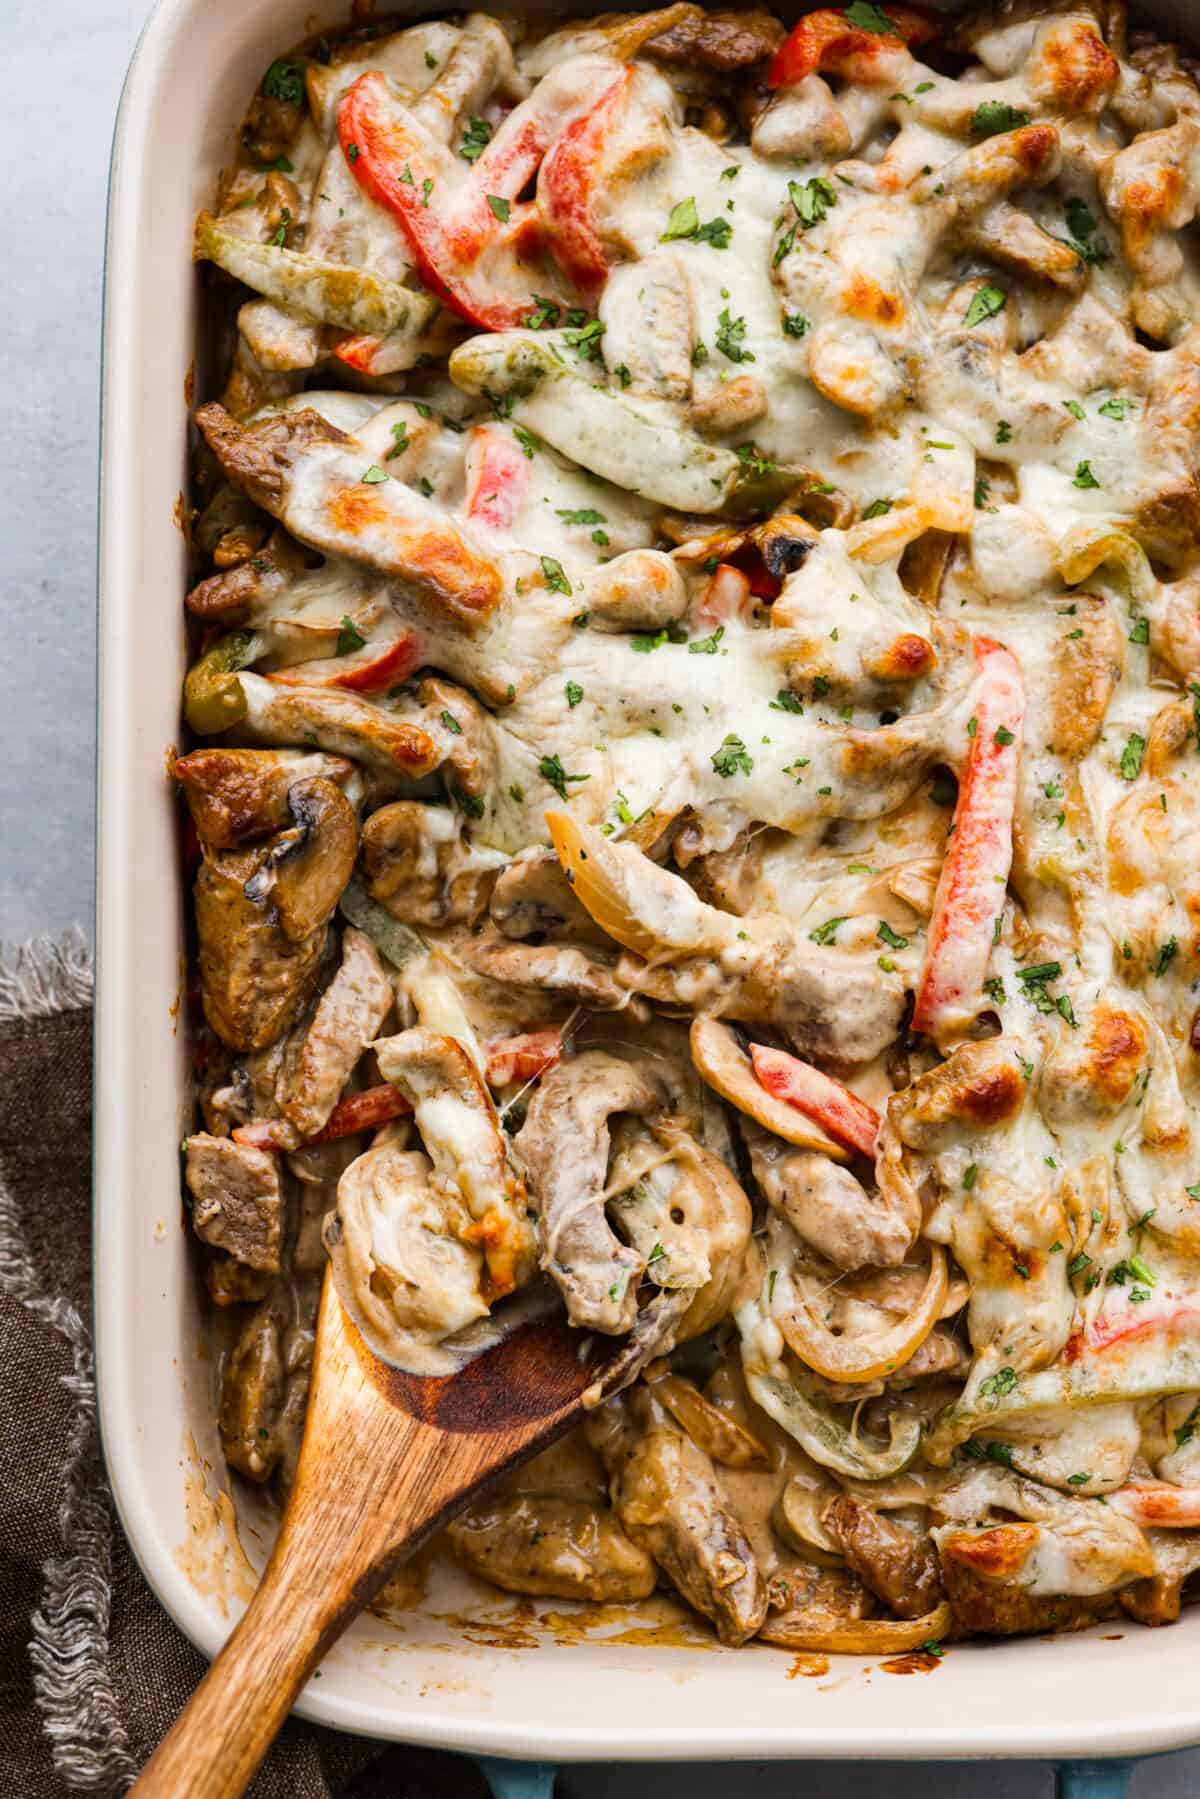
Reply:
x=1131 y=757
x=730 y=337
x=970 y=1175
x=812 y=200
x=1166 y=955
x=476 y=139
x=684 y=222
x=785 y=701
x=1081 y=224
x=1003 y=736
x=751 y=457
x=983 y=488
x=400 y=434
x=585 y=340
x=877 y=508
x=795 y=324
x=998 y=1384
x=1083 y=476
x=892 y=938
x=706 y=646
x=645 y=641
x=285 y=81
x=528 y=442
x=374 y=475
x=545 y=314
x=551 y=770
x=500 y=207
x=349 y=637
x=556 y=581
x=1113 y=409
x=281 y=230
x=581 y=515
x=1003 y=432
x=992 y=117
x=574 y=693
x=1075 y=409
x=732 y=758
x=827 y=932
x=986 y=302
x=869 y=17
x=1141 y=631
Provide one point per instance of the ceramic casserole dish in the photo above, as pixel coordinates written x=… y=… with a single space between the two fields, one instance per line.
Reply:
x=456 y=1671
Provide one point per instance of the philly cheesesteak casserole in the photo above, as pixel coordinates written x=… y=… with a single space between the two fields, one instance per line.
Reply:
x=694 y=788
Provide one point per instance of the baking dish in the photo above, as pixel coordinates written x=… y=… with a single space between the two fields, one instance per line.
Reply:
x=459 y=1671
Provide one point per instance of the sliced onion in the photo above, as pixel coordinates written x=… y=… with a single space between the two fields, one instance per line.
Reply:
x=866 y=1358
x=824 y=1438
x=725 y=1067
x=646 y=908
x=866 y=1636
x=718 y=1434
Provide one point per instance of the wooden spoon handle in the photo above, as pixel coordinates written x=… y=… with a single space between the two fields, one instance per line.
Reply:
x=333 y=1555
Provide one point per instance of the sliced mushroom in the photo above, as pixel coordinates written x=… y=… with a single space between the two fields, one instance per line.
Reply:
x=237 y=795
x=264 y=1392
x=418 y=864
x=254 y=979
x=533 y=897
x=307 y=866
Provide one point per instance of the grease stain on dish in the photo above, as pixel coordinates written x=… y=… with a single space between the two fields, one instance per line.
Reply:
x=808 y=1667
x=917 y=1661
x=211 y=1556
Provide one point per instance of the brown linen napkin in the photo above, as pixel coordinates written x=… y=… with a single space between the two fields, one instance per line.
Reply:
x=92 y=1670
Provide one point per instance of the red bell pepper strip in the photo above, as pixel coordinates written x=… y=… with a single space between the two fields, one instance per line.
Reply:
x=570 y=177
x=840 y=1113
x=363 y=1111
x=365 y=671
x=828 y=42
x=401 y=167
x=763 y=584
x=726 y=594
x=497 y=478
x=970 y=889
x=1158 y=1504
x=523 y=1058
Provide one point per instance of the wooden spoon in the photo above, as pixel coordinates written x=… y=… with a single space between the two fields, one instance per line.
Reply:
x=387 y=1457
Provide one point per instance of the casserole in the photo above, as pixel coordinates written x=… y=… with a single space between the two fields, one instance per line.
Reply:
x=668 y=1713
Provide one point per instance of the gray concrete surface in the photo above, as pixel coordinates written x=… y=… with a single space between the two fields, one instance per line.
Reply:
x=63 y=72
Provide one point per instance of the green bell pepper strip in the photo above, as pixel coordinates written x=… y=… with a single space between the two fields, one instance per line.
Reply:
x=608 y=434
x=327 y=293
x=213 y=699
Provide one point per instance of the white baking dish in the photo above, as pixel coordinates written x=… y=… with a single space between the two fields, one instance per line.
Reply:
x=1114 y=1690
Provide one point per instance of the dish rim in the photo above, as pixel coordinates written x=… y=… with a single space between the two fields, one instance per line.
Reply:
x=116 y=965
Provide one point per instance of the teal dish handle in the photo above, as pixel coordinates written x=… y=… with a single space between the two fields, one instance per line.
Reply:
x=1088 y=1780
x=531 y=1780
x=1076 y=1780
